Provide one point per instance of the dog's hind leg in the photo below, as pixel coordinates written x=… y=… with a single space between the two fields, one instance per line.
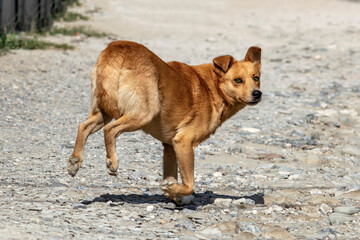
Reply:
x=126 y=123
x=94 y=123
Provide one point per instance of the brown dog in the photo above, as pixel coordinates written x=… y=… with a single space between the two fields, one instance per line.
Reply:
x=178 y=104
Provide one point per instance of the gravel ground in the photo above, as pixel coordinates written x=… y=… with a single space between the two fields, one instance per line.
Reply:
x=285 y=169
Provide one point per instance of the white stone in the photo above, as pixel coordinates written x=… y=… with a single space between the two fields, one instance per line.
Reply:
x=325 y=209
x=223 y=201
x=239 y=201
x=316 y=191
x=211 y=231
x=217 y=174
x=250 y=130
x=150 y=208
x=277 y=208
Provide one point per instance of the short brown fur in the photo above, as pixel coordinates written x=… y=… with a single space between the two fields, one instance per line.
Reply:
x=178 y=104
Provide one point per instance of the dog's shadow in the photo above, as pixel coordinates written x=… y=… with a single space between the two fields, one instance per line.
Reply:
x=201 y=199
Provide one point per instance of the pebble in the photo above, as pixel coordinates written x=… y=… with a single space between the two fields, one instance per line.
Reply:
x=337 y=124
x=228 y=227
x=350 y=210
x=340 y=218
x=243 y=201
x=211 y=231
x=313 y=159
x=278 y=233
x=325 y=209
x=217 y=174
x=78 y=205
x=251 y=228
x=222 y=201
x=150 y=208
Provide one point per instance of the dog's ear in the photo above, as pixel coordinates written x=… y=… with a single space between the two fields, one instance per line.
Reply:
x=223 y=63
x=253 y=55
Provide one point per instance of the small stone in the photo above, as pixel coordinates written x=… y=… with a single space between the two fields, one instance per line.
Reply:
x=325 y=209
x=311 y=211
x=349 y=210
x=337 y=124
x=316 y=192
x=313 y=159
x=277 y=208
x=250 y=130
x=228 y=227
x=186 y=224
x=233 y=214
x=211 y=39
x=340 y=218
x=223 y=201
x=278 y=233
x=150 y=208
x=251 y=228
x=78 y=205
x=211 y=231
x=244 y=201
x=217 y=174
x=239 y=201
x=268 y=211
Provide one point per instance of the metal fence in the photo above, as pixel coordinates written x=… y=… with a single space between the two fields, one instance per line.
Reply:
x=30 y=15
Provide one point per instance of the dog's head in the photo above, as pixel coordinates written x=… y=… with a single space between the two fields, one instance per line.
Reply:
x=240 y=80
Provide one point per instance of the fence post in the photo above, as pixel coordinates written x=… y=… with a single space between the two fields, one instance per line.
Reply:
x=45 y=18
x=7 y=15
x=28 y=14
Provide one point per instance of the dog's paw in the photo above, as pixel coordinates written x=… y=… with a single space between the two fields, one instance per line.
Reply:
x=73 y=165
x=112 y=167
x=167 y=183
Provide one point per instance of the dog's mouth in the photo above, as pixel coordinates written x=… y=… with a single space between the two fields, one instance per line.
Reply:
x=253 y=102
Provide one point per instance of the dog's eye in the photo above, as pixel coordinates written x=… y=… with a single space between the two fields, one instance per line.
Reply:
x=256 y=79
x=238 y=80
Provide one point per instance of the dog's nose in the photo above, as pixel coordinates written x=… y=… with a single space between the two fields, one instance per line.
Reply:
x=256 y=94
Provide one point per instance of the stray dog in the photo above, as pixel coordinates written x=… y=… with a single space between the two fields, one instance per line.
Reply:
x=178 y=104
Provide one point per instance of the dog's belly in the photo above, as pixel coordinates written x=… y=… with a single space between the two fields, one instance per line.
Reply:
x=159 y=131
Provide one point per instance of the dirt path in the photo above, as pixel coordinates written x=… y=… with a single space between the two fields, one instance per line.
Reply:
x=285 y=169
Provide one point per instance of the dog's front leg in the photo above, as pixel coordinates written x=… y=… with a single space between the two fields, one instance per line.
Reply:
x=170 y=166
x=185 y=158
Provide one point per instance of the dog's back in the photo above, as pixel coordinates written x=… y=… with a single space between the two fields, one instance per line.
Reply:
x=124 y=81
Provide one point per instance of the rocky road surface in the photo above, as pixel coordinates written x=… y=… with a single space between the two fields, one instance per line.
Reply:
x=288 y=168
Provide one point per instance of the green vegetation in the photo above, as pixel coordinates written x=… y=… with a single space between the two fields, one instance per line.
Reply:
x=72 y=17
x=10 y=41
x=15 y=41
x=74 y=3
x=73 y=31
